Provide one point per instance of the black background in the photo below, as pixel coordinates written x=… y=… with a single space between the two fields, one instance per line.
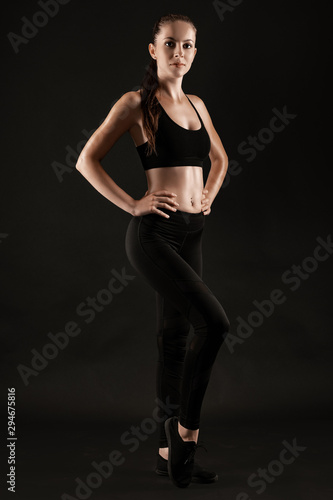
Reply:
x=60 y=238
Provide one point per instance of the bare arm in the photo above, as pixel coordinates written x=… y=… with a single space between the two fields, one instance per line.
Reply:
x=118 y=121
x=217 y=155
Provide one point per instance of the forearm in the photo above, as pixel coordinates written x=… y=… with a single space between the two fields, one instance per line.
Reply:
x=93 y=171
x=217 y=173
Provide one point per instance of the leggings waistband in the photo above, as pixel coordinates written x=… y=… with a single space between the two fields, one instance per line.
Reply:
x=181 y=220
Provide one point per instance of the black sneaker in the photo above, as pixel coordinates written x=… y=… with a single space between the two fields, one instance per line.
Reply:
x=199 y=475
x=180 y=456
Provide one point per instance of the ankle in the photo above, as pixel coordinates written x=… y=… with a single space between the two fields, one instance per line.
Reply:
x=188 y=434
x=164 y=452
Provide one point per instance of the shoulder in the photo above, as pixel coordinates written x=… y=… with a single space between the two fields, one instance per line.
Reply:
x=131 y=99
x=198 y=103
x=202 y=110
x=194 y=98
x=127 y=109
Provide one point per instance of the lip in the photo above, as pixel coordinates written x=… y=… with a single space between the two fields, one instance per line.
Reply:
x=178 y=64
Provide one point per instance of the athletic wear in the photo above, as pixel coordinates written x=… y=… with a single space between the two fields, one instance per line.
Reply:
x=167 y=252
x=180 y=456
x=176 y=145
x=199 y=473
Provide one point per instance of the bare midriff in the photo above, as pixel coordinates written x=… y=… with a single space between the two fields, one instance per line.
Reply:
x=185 y=182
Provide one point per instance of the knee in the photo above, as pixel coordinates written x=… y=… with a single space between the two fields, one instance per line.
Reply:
x=226 y=325
x=212 y=322
x=217 y=335
x=220 y=325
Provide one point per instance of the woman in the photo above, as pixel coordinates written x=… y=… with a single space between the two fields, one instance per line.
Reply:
x=173 y=134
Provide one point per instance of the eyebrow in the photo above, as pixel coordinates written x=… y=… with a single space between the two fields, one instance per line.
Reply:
x=187 y=40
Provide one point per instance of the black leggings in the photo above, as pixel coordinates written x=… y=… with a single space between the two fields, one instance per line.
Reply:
x=167 y=252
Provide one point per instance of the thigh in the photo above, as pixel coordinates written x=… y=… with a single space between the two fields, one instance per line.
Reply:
x=191 y=250
x=170 y=320
x=171 y=275
x=169 y=316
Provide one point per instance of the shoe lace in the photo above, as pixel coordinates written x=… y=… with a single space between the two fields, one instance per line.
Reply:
x=193 y=451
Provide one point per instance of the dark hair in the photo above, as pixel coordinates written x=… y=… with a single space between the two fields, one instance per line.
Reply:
x=150 y=84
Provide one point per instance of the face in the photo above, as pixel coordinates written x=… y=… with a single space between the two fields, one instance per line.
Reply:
x=175 y=43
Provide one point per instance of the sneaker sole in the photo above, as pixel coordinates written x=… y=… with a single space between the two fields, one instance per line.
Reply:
x=194 y=479
x=204 y=481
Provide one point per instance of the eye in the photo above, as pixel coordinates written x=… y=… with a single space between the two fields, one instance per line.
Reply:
x=188 y=44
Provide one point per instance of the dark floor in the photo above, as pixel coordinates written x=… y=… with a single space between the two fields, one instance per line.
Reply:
x=50 y=459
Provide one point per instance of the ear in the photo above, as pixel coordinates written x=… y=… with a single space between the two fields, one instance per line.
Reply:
x=195 y=51
x=151 y=50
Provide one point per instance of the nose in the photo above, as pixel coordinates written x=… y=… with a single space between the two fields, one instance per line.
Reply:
x=180 y=52
x=179 y=59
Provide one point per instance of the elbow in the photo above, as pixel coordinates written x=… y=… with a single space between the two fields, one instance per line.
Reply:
x=81 y=162
x=224 y=158
x=224 y=161
x=78 y=163
x=221 y=160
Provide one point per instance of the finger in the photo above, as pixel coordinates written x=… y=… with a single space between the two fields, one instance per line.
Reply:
x=157 y=211
x=170 y=200
x=165 y=192
x=166 y=205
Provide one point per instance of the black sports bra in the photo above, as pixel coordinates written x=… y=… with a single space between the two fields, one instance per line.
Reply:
x=176 y=145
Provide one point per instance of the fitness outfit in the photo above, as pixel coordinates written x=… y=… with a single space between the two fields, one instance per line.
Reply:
x=176 y=146
x=167 y=252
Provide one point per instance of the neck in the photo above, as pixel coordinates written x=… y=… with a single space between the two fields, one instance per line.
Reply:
x=170 y=90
